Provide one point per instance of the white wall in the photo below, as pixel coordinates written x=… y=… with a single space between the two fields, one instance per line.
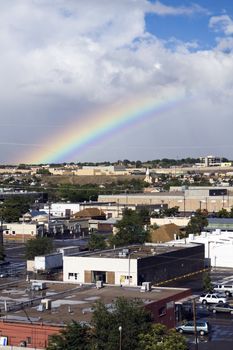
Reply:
x=20 y=229
x=218 y=247
x=121 y=267
x=59 y=209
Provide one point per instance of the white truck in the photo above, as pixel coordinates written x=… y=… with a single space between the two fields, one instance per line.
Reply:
x=48 y=262
x=71 y=250
x=211 y=298
x=224 y=288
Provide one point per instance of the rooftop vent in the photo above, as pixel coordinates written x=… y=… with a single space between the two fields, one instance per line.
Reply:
x=146 y=287
x=99 y=284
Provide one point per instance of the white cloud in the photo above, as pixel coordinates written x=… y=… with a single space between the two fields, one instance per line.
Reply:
x=62 y=57
x=222 y=23
x=162 y=9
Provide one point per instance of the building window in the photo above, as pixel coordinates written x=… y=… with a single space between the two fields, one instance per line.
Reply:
x=13 y=232
x=162 y=311
x=7 y=232
x=29 y=340
x=32 y=233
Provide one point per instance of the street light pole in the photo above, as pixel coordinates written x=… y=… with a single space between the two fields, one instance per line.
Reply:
x=120 y=330
x=195 y=324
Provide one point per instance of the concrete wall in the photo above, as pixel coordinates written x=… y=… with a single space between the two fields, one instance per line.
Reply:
x=185 y=203
x=22 y=232
x=179 y=221
x=121 y=267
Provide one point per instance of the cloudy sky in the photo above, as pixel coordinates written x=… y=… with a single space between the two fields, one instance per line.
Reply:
x=64 y=62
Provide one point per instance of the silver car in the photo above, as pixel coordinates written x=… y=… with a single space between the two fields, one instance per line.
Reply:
x=221 y=308
x=202 y=327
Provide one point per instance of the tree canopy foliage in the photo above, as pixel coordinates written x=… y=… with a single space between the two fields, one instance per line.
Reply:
x=130 y=315
x=74 y=337
x=38 y=246
x=13 y=208
x=160 y=338
x=96 y=242
x=207 y=284
x=136 y=330
x=166 y=212
x=197 y=222
x=130 y=229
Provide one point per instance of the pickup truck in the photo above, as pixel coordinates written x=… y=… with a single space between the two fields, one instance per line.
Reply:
x=212 y=299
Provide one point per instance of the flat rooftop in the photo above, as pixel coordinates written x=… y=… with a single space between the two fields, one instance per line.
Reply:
x=72 y=302
x=137 y=251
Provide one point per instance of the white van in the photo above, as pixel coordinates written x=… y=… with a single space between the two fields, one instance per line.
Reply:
x=224 y=288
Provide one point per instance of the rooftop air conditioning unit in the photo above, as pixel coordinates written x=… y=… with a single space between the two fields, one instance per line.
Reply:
x=143 y=288
x=99 y=284
x=146 y=287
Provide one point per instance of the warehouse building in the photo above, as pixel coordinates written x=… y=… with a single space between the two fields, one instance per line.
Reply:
x=134 y=265
x=189 y=199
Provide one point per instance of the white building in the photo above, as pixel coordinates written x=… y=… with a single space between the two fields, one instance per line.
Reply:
x=88 y=269
x=20 y=232
x=135 y=264
x=62 y=209
x=218 y=247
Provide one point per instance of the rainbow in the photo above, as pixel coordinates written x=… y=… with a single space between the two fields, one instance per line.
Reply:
x=84 y=132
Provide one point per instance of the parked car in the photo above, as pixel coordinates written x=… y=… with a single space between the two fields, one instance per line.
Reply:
x=224 y=288
x=212 y=299
x=202 y=327
x=221 y=308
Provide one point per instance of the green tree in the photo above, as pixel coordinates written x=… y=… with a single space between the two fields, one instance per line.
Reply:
x=96 y=242
x=130 y=229
x=13 y=208
x=197 y=222
x=43 y=171
x=206 y=280
x=223 y=213
x=160 y=338
x=38 y=246
x=75 y=336
x=129 y=314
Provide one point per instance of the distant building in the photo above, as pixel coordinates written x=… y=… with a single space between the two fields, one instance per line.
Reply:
x=62 y=209
x=21 y=232
x=211 y=198
x=212 y=161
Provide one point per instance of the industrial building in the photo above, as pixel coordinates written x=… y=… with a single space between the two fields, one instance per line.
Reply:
x=133 y=265
x=218 y=247
x=188 y=199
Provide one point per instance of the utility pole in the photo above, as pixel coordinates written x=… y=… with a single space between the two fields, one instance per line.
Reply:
x=195 y=324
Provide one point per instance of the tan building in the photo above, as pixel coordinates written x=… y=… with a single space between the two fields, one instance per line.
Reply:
x=212 y=199
x=19 y=232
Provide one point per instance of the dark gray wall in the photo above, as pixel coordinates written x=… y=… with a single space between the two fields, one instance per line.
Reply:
x=162 y=267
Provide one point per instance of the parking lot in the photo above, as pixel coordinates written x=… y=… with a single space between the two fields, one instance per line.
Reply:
x=221 y=334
